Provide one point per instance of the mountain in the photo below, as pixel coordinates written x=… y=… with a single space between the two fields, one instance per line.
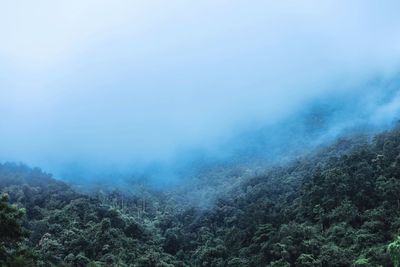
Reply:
x=336 y=206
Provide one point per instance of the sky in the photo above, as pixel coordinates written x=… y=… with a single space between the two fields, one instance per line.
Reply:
x=128 y=83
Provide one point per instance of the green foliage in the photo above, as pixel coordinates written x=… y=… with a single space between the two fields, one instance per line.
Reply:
x=361 y=262
x=11 y=233
x=307 y=260
x=336 y=207
x=394 y=251
x=10 y=221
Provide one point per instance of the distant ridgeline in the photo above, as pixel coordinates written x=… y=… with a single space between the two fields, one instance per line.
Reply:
x=337 y=207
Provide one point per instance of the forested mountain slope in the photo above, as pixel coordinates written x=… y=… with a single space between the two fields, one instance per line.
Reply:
x=339 y=206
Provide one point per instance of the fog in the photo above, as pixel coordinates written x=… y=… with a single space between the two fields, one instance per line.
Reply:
x=100 y=87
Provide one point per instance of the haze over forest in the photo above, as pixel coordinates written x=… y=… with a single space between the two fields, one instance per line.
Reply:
x=214 y=133
x=98 y=86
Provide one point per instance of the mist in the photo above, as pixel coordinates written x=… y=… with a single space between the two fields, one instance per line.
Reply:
x=101 y=89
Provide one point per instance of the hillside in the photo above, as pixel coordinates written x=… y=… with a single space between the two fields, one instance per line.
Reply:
x=339 y=206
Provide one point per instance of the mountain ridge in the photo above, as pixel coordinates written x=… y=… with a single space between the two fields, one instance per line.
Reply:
x=336 y=207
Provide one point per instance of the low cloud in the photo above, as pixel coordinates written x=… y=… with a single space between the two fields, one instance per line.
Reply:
x=128 y=84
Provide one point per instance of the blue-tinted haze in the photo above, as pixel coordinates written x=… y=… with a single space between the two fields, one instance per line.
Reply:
x=123 y=85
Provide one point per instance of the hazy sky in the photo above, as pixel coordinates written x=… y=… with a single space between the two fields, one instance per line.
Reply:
x=137 y=81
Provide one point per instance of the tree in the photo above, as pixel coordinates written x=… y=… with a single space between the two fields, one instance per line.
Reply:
x=394 y=251
x=11 y=233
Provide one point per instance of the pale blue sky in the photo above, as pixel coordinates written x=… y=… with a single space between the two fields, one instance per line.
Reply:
x=125 y=81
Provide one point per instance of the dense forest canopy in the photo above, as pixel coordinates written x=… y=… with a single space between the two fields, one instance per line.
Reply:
x=212 y=133
x=338 y=206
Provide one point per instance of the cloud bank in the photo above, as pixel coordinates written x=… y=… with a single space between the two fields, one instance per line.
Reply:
x=130 y=83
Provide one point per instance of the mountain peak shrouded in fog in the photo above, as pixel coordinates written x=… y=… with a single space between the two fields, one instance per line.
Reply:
x=127 y=84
